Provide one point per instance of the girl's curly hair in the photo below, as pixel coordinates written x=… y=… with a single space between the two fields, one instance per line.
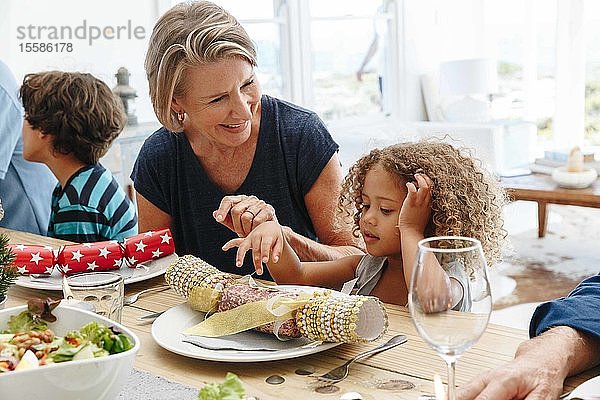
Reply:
x=466 y=199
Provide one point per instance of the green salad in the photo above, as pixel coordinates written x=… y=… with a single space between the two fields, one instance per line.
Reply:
x=28 y=343
x=231 y=389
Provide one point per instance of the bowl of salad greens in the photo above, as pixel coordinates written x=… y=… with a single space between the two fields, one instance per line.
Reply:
x=61 y=352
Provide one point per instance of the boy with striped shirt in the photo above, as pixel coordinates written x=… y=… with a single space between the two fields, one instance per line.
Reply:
x=71 y=119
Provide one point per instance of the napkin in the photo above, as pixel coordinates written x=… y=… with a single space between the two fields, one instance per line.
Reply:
x=588 y=390
x=246 y=341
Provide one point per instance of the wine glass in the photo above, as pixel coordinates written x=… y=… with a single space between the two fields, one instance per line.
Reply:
x=450 y=299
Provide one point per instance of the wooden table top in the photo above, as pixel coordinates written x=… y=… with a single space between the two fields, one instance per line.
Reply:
x=541 y=187
x=404 y=372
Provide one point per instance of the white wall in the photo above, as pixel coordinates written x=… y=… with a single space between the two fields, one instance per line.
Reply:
x=437 y=31
x=102 y=57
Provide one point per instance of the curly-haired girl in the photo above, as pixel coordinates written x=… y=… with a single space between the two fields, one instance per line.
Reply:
x=397 y=196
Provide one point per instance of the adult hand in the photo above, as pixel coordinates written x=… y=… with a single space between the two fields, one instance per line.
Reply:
x=535 y=374
x=520 y=379
x=416 y=208
x=266 y=242
x=243 y=213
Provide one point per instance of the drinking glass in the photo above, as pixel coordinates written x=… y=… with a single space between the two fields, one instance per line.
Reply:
x=101 y=290
x=449 y=298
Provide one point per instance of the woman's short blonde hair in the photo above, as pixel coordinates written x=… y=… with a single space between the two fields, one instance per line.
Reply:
x=187 y=35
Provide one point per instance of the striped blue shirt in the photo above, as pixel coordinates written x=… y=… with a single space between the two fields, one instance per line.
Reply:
x=92 y=208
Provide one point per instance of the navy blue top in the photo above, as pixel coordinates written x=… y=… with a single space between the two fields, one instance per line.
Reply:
x=579 y=310
x=293 y=148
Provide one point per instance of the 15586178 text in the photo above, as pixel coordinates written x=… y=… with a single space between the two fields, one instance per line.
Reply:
x=46 y=47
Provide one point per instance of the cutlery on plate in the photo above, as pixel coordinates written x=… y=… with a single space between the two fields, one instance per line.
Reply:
x=341 y=372
x=225 y=347
x=150 y=316
x=129 y=300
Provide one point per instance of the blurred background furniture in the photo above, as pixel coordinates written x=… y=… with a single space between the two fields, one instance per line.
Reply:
x=502 y=145
x=543 y=190
x=467 y=86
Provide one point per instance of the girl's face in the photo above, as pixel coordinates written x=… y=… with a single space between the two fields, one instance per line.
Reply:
x=382 y=197
x=221 y=101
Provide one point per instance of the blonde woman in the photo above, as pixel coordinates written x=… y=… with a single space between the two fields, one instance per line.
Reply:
x=229 y=158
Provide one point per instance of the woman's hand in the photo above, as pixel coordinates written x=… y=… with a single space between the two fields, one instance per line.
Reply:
x=416 y=208
x=266 y=242
x=243 y=213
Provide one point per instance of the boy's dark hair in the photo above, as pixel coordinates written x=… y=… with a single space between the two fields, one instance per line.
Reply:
x=79 y=110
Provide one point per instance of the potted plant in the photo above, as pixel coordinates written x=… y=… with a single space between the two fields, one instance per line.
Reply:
x=8 y=272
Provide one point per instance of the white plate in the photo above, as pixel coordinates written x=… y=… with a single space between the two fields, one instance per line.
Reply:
x=166 y=331
x=144 y=271
x=589 y=388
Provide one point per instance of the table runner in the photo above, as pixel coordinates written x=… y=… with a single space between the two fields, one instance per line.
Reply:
x=142 y=385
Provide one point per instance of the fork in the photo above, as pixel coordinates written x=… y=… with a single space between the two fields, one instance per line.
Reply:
x=129 y=300
x=341 y=372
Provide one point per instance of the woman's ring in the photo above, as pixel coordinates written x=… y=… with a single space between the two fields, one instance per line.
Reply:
x=248 y=211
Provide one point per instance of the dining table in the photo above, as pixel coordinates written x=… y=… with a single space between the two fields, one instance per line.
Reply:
x=404 y=372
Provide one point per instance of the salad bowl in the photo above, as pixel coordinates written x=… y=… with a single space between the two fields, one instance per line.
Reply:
x=92 y=378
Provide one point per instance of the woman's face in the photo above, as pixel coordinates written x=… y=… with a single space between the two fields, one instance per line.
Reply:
x=221 y=101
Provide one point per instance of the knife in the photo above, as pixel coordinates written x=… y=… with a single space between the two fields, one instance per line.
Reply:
x=150 y=316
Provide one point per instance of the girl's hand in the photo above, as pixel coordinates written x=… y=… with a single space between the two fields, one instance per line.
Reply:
x=243 y=213
x=416 y=208
x=266 y=242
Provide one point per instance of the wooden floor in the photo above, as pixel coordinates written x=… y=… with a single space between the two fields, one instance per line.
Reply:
x=569 y=229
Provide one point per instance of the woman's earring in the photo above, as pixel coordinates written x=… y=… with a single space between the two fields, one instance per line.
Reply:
x=180 y=116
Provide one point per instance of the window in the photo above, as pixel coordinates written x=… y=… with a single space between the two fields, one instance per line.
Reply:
x=523 y=39
x=310 y=52
x=90 y=37
x=263 y=22
x=266 y=37
x=592 y=73
x=349 y=49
